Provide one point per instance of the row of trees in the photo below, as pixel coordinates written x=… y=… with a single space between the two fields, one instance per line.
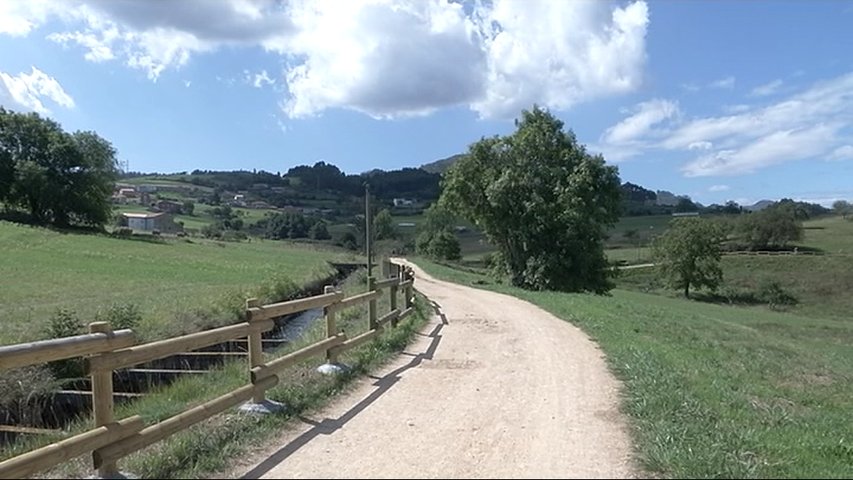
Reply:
x=56 y=177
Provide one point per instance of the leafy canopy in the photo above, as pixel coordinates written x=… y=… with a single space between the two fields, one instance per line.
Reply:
x=57 y=177
x=688 y=254
x=543 y=201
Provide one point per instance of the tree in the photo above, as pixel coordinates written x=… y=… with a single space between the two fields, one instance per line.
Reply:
x=319 y=231
x=775 y=226
x=188 y=207
x=841 y=207
x=57 y=177
x=383 y=225
x=688 y=254
x=435 y=238
x=543 y=201
x=685 y=205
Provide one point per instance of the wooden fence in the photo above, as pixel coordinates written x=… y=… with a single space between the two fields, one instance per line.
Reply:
x=107 y=350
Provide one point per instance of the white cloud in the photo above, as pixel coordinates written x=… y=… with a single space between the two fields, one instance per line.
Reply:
x=26 y=91
x=815 y=123
x=386 y=58
x=638 y=125
x=560 y=53
x=700 y=146
x=726 y=83
x=258 y=80
x=767 y=88
x=187 y=83
x=772 y=149
x=844 y=152
x=691 y=87
x=718 y=188
x=736 y=108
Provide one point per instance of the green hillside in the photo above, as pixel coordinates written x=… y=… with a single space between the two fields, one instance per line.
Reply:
x=178 y=284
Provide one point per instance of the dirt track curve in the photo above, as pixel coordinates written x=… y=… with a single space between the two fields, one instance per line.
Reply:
x=494 y=387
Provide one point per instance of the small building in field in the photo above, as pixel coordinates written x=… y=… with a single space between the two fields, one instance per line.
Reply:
x=685 y=214
x=148 y=222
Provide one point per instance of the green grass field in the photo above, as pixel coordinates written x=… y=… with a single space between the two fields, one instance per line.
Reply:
x=178 y=284
x=716 y=391
x=820 y=283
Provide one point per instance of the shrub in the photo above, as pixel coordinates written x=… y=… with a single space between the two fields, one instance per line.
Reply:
x=121 y=316
x=772 y=293
x=65 y=323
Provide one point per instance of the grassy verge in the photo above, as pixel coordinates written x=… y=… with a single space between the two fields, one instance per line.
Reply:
x=717 y=391
x=211 y=446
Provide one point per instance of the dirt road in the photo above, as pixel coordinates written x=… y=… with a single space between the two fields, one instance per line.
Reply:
x=493 y=388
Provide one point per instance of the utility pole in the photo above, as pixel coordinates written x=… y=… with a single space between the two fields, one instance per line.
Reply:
x=367 y=229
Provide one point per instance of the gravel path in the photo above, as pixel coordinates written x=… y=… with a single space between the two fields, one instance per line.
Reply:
x=494 y=387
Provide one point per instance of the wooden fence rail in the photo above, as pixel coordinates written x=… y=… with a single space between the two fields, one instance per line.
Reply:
x=107 y=351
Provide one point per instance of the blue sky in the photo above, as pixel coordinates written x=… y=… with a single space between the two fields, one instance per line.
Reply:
x=718 y=100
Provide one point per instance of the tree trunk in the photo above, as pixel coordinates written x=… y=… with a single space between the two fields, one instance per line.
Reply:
x=687 y=290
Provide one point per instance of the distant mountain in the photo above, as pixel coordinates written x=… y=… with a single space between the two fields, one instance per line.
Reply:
x=760 y=205
x=441 y=166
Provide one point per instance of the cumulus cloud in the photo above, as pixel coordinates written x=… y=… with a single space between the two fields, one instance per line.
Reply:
x=560 y=53
x=386 y=58
x=718 y=188
x=27 y=91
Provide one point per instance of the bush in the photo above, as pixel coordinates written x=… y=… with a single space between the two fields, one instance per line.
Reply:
x=65 y=323
x=772 y=293
x=121 y=316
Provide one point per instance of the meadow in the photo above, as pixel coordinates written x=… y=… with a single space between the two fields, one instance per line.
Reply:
x=820 y=284
x=178 y=284
x=715 y=390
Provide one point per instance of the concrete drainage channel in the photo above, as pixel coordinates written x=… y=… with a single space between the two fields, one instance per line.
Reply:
x=74 y=399
x=132 y=383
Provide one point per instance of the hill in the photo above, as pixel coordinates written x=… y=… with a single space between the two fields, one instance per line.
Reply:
x=441 y=166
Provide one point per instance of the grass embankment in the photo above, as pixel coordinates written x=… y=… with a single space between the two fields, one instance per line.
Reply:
x=713 y=390
x=178 y=284
x=211 y=447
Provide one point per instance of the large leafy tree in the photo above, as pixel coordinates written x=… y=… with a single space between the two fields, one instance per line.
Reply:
x=435 y=235
x=57 y=177
x=773 y=227
x=688 y=254
x=543 y=201
x=383 y=226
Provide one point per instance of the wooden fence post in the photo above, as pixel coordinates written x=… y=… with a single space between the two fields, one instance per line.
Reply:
x=331 y=327
x=409 y=276
x=102 y=401
x=393 y=291
x=371 y=306
x=256 y=349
